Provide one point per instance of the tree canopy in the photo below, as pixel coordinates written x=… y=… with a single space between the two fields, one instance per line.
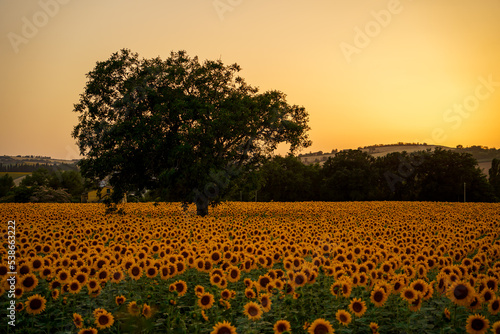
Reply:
x=179 y=125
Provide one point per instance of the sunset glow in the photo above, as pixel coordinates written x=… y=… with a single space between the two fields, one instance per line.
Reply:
x=368 y=72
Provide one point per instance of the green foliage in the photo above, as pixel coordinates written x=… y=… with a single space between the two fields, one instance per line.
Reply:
x=171 y=124
x=6 y=184
x=494 y=173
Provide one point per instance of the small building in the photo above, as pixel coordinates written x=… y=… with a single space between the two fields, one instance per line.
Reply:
x=94 y=196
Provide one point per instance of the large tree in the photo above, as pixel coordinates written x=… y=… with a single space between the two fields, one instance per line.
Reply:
x=179 y=125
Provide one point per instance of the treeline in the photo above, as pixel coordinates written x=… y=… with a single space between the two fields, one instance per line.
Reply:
x=44 y=186
x=29 y=168
x=439 y=175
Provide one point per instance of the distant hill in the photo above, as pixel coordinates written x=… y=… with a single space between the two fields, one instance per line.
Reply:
x=482 y=154
x=30 y=163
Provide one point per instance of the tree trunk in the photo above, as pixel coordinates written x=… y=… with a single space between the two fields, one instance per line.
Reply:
x=202 y=208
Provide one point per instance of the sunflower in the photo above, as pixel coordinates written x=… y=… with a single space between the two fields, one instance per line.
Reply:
x=35 y=304
x=28 y=282
x=416 y=304
x=346 y=288
x=378 y=296
x=133 y=309
x=81 y=277
x=135 y=271
x=55 y=294
x=103 y=318
x=119 y=300
x=496 y=328
x=233 y=274
x=77 y=320
x=223 y=328
x=320 y=326
x=253 y=311
x=93 y=284
x=374 y=327
x=151 y=271
x=63 y=276
x=343 y=317
x=226 y=294
x=420 y=286
x=494 y=306
x=409 y=294
x=460 y=293
x=180 y=287
x=357 y=306
x=477 y=324
x=447 y=313
x=263 y=281
x=265 y=302
x=87 y=331
x=205 y=300
x=475 y=303
x=250 y=293
x=74 y=287
x=486 y=295
x=198 y=290
x=117 y=277
x=336 y=289
x=282 y=326
x=146 y=311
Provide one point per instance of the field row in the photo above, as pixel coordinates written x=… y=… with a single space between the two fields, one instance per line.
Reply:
x=315 y=267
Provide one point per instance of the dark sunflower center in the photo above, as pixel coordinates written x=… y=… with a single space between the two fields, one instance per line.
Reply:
x=135 y=271
x=299 y=279
x=117 y=275
x=264 y=302
x=264 y=282
x=357 y=307
x=495 y=305
x=224 y=330
x=460 y=292
x=320 y=329
x=28 y=282
x=151 y=271
x=35 y=304
x=378 y=296
x=179 y=287
x=103 y=319
x=234 y=274
x=343 y=318
x=205 y=300
x=74 y=286
x=253 y=311
x=419 y=287
x=477 y=324
x=281 y=328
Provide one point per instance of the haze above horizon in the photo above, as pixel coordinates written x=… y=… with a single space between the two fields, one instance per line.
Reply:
x=367 y=72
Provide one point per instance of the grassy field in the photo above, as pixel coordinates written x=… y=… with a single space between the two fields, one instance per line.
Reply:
x=316 y=267
x=15 y=175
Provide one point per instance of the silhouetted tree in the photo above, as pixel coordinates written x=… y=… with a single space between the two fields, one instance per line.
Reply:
x=494 y=173
x=179 y=125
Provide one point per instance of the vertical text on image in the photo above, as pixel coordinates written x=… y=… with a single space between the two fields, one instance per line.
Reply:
x=11 y=264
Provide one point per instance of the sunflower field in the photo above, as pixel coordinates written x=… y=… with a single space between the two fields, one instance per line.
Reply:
x=311 y=267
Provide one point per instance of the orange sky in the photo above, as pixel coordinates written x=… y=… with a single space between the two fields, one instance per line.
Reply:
x=368 y=72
